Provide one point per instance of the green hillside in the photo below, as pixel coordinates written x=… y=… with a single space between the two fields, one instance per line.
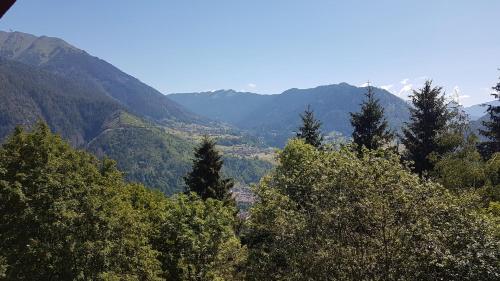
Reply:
x=274 y=118
x=73 y=109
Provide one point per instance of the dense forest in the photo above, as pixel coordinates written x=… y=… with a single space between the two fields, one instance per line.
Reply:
x=426 y=207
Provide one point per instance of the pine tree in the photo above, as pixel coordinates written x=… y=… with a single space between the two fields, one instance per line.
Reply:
x=370 y=126
x=428 y=121
x=205 y=179
x=492 y=127
x=310 y=129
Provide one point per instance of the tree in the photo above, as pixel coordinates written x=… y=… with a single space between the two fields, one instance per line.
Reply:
x=462 y=168
x=205 y=179
x=492 y=127
x=428 y=122
x=64 y=215
x=197 y=240
x=310 y=129
x=370 y=126
x=368 y=218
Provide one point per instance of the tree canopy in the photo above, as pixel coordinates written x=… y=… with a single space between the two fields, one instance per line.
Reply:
x=370 y=126
x=428 y=122
x=492 y=126
x=206 y=179
x=65 y=215
x=363 y=218
x=310 y=131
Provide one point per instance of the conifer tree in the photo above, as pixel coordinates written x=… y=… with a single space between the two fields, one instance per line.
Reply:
x=310 y=130
x=370 y=126
x=428 y=122
x=205 y=179
x=492 y=127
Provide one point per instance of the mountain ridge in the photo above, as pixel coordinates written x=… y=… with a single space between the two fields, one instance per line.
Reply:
x=275 y=117
x=59 y=57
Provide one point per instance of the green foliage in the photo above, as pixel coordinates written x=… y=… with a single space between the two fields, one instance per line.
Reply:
x=3 y=267
x=428 y=122
x=197 y=240
x=147 y=155
x=370 y=126
x=64 y=215
x=309 y=131
x=73 y=109
x=205 y=179
x=492 y=126
x=492 y=170
x=461 y=169
x=245 y=170
x=329 y=215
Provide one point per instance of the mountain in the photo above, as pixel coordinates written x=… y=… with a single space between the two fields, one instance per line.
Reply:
x=276 y=117
x=223 y=105
x=99 y=108
x=477 y=111
x=75 y=110
x=145 y=151
x=56 y=56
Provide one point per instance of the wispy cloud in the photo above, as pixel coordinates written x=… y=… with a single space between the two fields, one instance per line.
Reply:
x=458 y=95
x=252 y=85
x=404 y=81
x=387 y=87
x=405 y=91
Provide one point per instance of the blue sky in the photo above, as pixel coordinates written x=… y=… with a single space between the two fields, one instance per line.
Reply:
x=268 y=46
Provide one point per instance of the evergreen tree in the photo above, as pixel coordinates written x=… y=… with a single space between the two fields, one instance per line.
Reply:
x=205 y=179
x=310 y=129
x=428 y=122
x=492 y=127
x=370 y=126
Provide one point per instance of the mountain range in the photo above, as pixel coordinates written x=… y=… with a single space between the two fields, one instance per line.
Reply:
x=276 y=117
x=478 y=111
x=96 y=106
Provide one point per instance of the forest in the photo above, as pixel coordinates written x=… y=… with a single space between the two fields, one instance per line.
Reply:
x=420 y=204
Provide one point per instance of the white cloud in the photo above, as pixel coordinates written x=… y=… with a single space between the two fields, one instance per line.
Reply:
x=458 y=95
x=364 y=84
x=404 y=81
x=252 y=85
x=387 y=87
x=405 y=91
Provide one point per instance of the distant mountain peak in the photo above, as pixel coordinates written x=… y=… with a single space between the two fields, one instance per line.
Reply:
x=16 y=45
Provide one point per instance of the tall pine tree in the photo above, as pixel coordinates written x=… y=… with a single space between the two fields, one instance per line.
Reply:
x=310 y=130
x=205 y=179
x=428 y=122
x=370 y=126
x=492 y=127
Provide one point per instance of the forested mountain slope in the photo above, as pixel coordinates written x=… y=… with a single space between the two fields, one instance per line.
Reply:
x=75 y=110
x=57 y=56
x=87 y=117
x=276 y=117
x=223 y=105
